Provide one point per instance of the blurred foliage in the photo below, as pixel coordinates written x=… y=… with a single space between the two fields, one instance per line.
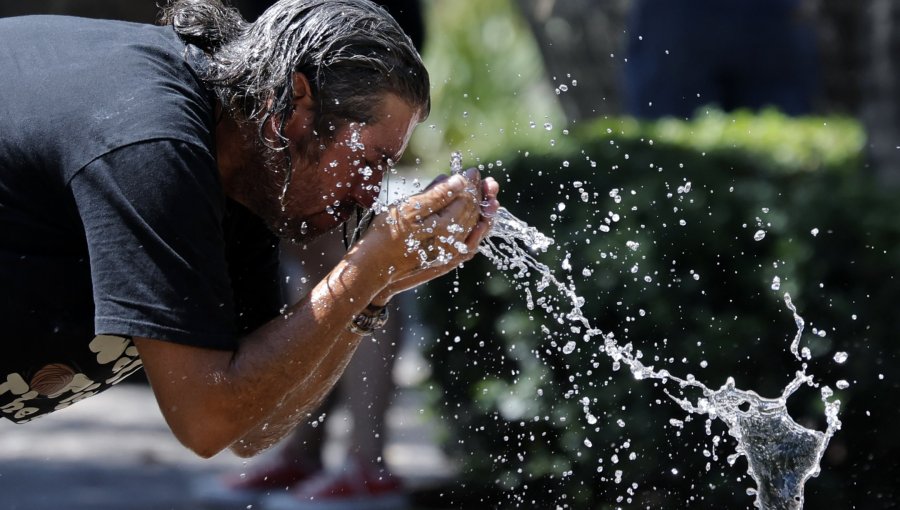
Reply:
x=488 y=84
x=809 y=145
x=695 y=296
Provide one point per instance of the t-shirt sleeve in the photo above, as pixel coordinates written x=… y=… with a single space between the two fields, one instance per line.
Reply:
x=152 y=215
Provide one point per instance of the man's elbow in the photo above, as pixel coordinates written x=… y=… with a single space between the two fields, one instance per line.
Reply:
x=209 y=445
x=205 y=434
x=201 y=440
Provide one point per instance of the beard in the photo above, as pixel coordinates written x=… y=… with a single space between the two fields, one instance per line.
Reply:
x=267 y=185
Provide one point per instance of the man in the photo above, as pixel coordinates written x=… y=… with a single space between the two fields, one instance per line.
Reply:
x=143 y=171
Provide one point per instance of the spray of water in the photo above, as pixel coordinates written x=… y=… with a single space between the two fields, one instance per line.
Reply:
x=781 y=454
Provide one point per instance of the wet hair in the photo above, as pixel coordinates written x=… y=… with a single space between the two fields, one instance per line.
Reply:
x=351 y=51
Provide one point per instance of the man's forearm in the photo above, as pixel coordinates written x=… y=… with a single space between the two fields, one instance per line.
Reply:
x=212 y=399
x=298 y=405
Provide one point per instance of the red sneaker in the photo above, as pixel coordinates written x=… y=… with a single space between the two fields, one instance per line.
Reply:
x=279 y=474
x=240 y=490
x=357 y=486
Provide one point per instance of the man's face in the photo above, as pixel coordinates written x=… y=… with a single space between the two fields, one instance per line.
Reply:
x=341 y=171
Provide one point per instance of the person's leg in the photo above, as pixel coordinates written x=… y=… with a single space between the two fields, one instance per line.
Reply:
x=781 y=68
x=672 y=53
x=367 y=385
x=368 y=388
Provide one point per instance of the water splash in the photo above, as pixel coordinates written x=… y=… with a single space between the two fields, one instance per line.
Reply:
x=456 y=163
x=781 y=454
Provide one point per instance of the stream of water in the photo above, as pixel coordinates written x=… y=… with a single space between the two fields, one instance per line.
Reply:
x=781 y=454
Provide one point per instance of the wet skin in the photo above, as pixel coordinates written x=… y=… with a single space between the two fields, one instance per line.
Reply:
x=249 y=398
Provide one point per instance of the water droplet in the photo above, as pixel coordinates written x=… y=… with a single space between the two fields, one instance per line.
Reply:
x=840 y=357
x=355 y=136
x=759 y=235
x=776 y=283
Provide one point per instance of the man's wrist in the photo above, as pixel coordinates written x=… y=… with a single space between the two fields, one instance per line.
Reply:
x=372 y=318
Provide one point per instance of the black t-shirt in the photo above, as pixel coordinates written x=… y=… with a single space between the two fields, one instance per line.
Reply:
x=113 y=222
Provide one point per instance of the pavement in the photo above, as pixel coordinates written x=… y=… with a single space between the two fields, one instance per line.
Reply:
x=114 y=451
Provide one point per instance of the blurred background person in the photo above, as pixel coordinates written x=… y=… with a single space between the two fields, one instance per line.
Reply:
x=684 y=54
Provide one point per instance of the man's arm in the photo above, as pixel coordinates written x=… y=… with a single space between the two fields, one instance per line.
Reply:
x=250 y=397
x=212 y=399
x=291 y=412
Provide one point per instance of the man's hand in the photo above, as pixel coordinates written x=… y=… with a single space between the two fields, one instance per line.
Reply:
x=433 y=232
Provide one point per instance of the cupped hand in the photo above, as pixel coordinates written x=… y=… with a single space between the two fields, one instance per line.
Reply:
x=433 y=232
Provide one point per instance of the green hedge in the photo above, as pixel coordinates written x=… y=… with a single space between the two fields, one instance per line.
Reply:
x=695 y=297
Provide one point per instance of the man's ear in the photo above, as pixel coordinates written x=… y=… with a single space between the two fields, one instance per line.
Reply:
x=303 y=97
x=300 y=118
